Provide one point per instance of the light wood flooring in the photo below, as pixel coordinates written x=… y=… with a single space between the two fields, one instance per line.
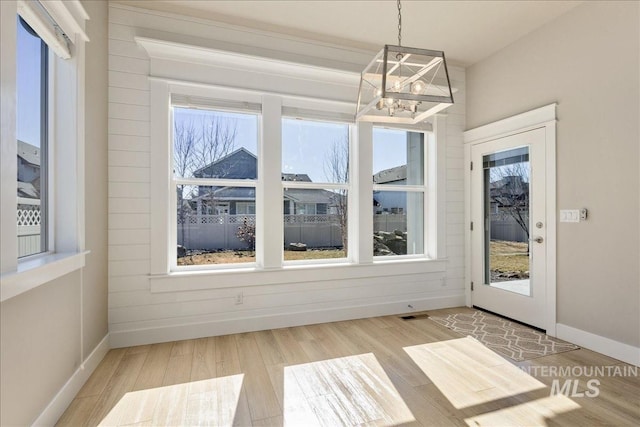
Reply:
x=376 y=371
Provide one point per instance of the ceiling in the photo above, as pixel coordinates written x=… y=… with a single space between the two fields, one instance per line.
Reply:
x=468 y=31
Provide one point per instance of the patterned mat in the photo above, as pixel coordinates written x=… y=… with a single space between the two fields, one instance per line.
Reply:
x=509 y=339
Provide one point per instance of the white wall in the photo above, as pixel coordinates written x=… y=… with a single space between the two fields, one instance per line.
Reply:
x=588 y=62
x=138 y=315
x=48 y=332
x=95 y=274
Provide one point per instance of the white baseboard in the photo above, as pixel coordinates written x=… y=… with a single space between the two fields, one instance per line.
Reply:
x=621 y=351
x=61 y=401
x=224 y=327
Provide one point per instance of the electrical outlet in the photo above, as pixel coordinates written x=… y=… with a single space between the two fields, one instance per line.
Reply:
x=239 y=298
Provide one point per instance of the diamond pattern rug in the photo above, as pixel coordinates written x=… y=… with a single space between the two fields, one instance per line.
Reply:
x=509 y=339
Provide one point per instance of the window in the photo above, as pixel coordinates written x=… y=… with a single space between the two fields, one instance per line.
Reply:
x=315 y=180
x=32 y=140
x=398 y=192
x=43 y=63
x=215 y=170
x=245 y=208
x=314 y=193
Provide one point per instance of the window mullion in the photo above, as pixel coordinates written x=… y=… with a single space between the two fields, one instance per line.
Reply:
x=269 y=224
x=216 y=182
x=314 y=185
x=363 y=194
x=403 y=188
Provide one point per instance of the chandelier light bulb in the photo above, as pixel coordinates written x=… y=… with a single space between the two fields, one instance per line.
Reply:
x=417 y=87
x=388 y=101
x=397 y=86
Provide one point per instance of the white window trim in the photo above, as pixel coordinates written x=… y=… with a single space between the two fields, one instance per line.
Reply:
x=66 y=165
x=273 y=91
x=175 y=181
x=348 y=186
x=428 y=190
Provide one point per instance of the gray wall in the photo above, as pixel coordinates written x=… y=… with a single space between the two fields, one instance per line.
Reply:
x=40 y=336
x=588 y=61
x=96 y=184
x=40 y=341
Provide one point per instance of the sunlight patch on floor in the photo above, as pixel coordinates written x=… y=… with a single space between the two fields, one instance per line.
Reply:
x=352 y=390
x=208 y=402
x=536 y=412
x=467 y=373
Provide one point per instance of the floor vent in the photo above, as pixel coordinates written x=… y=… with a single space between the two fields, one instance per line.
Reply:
x=415 y=316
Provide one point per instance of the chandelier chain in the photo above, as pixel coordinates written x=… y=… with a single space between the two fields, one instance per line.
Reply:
x=399 y=24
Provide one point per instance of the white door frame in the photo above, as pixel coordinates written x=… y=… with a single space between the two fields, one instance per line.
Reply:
x=543 y=117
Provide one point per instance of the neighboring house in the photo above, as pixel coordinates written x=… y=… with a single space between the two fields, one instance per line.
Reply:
x=28 y=171
x=242 y=164
x=509 y=193
x=390 y=202
x=509 y=208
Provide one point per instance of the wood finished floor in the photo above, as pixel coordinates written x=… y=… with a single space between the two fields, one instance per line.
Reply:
x=376 y=371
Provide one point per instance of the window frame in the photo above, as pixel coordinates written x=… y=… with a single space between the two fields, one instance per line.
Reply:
x=66 y=246
x=322 y=186
x=47 y=241
x=270 y=264
x=423 y=189
x=217 y=182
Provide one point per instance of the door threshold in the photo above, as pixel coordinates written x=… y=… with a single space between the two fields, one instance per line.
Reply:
x=544 y=331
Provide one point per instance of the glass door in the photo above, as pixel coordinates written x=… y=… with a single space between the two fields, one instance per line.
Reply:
x=508 y=239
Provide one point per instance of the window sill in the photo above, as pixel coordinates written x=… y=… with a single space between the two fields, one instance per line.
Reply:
x=38 y=271
x=299 y=274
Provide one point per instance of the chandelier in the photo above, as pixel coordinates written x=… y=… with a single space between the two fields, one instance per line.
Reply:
x=404 y=84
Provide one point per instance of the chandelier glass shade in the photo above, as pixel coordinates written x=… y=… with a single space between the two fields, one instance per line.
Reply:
x=404 y=85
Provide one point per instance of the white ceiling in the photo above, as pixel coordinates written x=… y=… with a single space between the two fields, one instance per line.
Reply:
x=467 y=31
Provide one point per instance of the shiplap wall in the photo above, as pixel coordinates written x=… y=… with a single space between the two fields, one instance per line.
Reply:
x=137 y=315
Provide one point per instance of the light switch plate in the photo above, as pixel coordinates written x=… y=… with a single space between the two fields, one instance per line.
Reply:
x=570 y=215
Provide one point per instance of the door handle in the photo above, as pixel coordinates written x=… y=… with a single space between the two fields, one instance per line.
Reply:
x=537 y=239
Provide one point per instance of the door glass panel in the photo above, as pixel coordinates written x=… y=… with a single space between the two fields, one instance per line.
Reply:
x=506 y=220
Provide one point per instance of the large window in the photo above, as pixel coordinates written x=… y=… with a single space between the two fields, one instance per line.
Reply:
x=32 y=140
x=215 y=170
x=315 y=180
x=398 y=192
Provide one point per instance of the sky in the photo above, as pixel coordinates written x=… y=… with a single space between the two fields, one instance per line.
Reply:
x=28 y=88
x=306 y=144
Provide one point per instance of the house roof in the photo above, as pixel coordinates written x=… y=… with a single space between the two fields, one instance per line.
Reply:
x=394 y=174
x=235 y=193
x=232 y=166
x=29 y=153
x=309 y=195
x=28 y=190
x=296 y=177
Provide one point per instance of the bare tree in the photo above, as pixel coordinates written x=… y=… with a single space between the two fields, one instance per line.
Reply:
x=336 y=169
x=196 y=146
x=218 y=138
x=509 y=190
x=185 y=140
